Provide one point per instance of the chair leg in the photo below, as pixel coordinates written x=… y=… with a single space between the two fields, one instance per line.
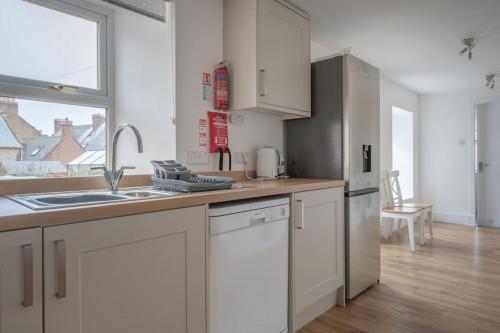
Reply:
x=391 y=226
x=429 y=214
x=383 y=233
x=421 y=233
x=411 y=233
x=399 y=226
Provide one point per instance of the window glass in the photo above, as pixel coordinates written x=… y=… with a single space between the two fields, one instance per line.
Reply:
x=402 y=149
x=44 y=44
x=42 y=139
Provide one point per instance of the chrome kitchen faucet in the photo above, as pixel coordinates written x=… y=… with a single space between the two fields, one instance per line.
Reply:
x=113 y=176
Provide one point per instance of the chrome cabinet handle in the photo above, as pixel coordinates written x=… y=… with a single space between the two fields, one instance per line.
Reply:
x=301 y=214
x=28 y=275
x=263 y=83
x=61 y=268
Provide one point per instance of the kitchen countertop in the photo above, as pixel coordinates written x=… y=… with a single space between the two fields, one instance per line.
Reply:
x=16 y=216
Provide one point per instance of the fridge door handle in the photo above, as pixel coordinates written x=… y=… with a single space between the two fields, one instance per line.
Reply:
x=300 y=215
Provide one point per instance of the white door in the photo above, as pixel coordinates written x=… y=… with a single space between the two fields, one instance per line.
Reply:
x=318 y=251
x=283 y=57
x=142 y=273
x=21 y=281
x=488 y=164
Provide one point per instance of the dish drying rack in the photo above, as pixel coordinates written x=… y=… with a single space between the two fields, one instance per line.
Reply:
x=172 y=176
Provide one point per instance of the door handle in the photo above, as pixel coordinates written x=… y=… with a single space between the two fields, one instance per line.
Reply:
x=28 y=275
x=300 y=226
x=263 y=82
x=482 y=165
x=61 y=268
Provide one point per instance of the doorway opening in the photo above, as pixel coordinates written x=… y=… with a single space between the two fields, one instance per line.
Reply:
x=487 y=163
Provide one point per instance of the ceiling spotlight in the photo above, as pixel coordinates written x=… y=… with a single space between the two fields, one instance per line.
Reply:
x=469 y=44
x=490 y=80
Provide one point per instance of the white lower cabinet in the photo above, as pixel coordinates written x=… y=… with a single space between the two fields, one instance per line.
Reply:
x=147 y=273
x=142 y=273
x=317 y=253
x=21 y=281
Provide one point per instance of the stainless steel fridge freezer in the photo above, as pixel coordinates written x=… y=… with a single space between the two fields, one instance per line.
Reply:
x=341 y=140
x=362 y=244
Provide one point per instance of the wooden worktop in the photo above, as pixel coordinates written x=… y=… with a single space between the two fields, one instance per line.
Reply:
x=16 y=216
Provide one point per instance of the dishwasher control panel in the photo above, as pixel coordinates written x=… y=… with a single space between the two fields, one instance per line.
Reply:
x=248 y=218
x=270 y=214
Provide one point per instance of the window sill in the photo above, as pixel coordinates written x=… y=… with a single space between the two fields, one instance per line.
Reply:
x=42 y=185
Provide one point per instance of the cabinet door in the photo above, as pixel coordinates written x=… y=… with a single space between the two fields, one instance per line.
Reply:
x=21 y=281
x=143 y=273
x=318 y=245
x=283 y=57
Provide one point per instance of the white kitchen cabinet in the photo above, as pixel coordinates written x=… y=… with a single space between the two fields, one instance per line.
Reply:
x=317 y=253
x=142 y=273
x=267 y=45
x=21 y=281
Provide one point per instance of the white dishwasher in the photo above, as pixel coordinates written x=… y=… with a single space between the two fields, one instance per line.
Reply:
x=248 y=267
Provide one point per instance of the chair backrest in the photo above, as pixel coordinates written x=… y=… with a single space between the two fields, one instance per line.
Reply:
x=386 y=191
x=395 y=187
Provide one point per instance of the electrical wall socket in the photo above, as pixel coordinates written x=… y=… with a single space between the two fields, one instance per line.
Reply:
x=240 y=157
x=197 y=157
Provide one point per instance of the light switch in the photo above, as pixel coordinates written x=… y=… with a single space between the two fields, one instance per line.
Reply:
x=197 y=157
x=240 y=157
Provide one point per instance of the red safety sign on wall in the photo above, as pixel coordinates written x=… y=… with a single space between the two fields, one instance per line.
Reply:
x=218 y=131
x=203 y=133
x=206 y=84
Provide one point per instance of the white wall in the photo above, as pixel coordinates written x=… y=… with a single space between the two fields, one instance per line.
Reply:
x=392 y=94
x=198 y=49
x=447 y=154
x=143 y=87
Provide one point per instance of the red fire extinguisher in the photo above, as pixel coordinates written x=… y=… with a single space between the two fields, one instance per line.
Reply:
x=221 y=87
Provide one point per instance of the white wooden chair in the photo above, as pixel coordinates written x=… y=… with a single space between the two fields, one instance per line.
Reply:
x=408 y=214
x=396 y=194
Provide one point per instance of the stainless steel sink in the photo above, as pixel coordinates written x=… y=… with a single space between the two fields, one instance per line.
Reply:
x=86 y=198
x=76 y=199
x=139 y=194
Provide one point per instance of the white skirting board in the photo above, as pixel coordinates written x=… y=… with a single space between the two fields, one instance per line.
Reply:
x=454 y=218
x=437 y=217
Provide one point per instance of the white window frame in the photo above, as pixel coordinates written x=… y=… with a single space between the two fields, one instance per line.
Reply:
x=412 y=180
x=101 y=97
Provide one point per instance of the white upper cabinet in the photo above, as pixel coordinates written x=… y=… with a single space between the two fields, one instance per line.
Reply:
x=21 y=281
x=267 y=45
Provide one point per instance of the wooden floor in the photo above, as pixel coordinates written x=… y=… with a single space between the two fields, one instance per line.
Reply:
x=450 y=285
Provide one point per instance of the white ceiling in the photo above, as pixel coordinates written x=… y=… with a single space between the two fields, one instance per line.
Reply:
x=414 y=42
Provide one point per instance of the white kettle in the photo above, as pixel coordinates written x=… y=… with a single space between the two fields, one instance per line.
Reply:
x=268 y=162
